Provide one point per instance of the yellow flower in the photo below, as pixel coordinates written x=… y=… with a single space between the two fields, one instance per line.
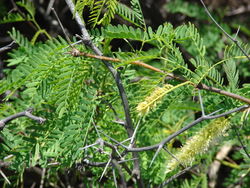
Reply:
x=199 y=143
x=152 y=100
x=156 y=96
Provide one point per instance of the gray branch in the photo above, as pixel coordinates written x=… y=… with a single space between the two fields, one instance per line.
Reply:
x=7 y=47
x=27 y=113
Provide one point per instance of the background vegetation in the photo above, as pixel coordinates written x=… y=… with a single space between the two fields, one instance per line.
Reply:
x=152 y=94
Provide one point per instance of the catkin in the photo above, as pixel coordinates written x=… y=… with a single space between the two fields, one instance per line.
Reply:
x=199 y=143
x=151 y=101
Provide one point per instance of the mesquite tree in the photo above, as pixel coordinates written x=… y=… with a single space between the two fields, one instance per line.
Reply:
x=114 y=115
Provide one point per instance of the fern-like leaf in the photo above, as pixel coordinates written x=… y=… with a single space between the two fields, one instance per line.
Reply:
x=20 y=39
x=230 y=66
x=129 y=15
x=28 y=5
x=109 y=6
x=13 y=17
x=137 y=9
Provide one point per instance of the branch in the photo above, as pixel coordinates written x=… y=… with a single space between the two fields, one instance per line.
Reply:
x=228 y=36
x=104 y=58
x=5 y=177
x=86 y=162
x=7 y=47
x=223 y=92
x=87 y=40
x=172 y=136
x=129 y=126
x=76 y=53
x=176 y=176
x=26 y=113
x=115 y=155
x=240 y=140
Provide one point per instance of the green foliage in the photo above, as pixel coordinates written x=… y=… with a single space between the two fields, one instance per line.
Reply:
x=77 y=95
x=96 y=9
x=190 y=9
x=17 y=17
x=29 y=16
x=129 y=15
x=102 y=12
x=14 y=17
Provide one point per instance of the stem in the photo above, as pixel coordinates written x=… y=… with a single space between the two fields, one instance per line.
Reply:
x=129 y=125
x=218 y=25
x=26 y=113
x=142 y=64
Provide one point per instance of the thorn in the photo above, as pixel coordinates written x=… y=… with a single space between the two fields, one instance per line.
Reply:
x=155 y=155
x=237 y=32
x=5 y=177
x=201 y=104
x=60 y=23
x=215 y=112
x=119 y=121
x=86 y=147
x=105 y=169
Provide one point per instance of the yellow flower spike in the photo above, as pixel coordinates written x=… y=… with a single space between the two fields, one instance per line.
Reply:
x=152 y=100
x=199 y=143
x=156 y=96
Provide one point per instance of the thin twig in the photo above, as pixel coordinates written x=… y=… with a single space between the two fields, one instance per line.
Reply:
x=240 y=140
x=49 y=8
x=172 y=155
x=104 y=58
x=114 y=176
x=42 y=178
x=223 y=92
x=105 y=169
x=86 y=162
x=133 y=137
x=155 y=155
x=97 y=131
x=74 y=52
x=61 y=26
x=7 y=47
x=218 y=25
x=201 y=104
x=89 y=146
x=176 y=176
